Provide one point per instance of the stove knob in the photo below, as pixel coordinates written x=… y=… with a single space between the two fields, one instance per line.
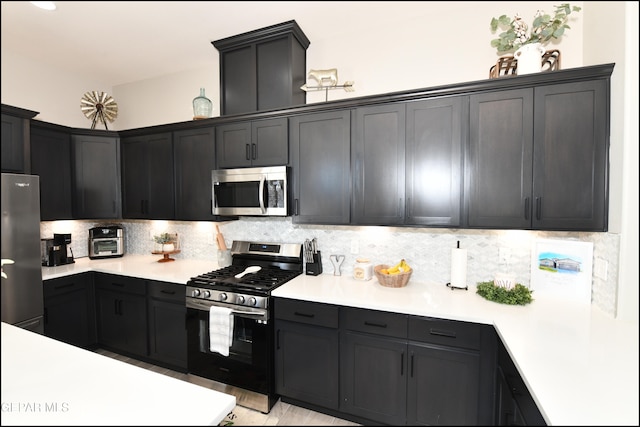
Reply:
x=196 y=292
x=240 y=299
x=206 y=294
x=253 y=301
x=223 y=297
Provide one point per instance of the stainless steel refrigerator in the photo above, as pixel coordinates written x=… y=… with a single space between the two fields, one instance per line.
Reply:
x=22 y=300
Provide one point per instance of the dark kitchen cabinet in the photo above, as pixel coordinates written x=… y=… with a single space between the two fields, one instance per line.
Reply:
x=194 y=158
x=121 y=306
x=96 y=175
x=538 y=158
x=514 y=404
x=307 y=336
x=320 y=156
x=373 y=365
x=378 y=164
x=51 y=160
x=254 y=143
x=450 y=379
x=69 y=309
x=147 y=177
x=262 y=69
x=167 y=324
x=15 y=139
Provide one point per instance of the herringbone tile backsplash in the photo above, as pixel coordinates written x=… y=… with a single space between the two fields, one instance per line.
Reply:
x=428 y=250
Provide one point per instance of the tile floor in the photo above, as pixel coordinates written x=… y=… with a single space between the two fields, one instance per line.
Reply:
x=281 y=414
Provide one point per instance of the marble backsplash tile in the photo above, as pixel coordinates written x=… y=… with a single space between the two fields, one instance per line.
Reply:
x=428 y=250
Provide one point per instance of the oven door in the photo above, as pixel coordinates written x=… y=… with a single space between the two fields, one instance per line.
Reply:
x=250 y=357
x=250 y=191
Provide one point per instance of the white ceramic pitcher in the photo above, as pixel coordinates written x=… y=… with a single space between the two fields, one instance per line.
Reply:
x=529 y=58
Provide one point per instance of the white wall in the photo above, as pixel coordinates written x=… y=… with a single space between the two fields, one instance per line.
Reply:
x=448 y=43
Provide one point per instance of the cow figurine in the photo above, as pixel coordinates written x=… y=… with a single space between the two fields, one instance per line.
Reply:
x=328 y=77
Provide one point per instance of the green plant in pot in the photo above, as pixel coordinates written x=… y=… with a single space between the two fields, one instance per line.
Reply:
x=166 y=241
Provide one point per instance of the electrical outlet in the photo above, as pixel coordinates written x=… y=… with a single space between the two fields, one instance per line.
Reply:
x=355 y=246
x=600 y=268
x=505 y=255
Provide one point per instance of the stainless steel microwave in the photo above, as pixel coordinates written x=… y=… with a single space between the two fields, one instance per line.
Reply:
x=251 y=191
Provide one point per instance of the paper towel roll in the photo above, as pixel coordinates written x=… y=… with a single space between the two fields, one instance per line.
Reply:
x=458 y=268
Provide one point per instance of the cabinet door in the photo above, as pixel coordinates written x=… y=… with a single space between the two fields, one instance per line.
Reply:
x=12 y=144
x=147 y=177
x=51 y=160
x=269 y=142
x=499 y=173
x=378 y=165
x=373 y=377
x=571 y=150
x=69 y=309
x=233 y=145
x=238 y=85
x=434 y=162
x=194 y=157
x=167 y=332
x=320 y=148
x=96 y=177
x=299 y=347
x=443 y=386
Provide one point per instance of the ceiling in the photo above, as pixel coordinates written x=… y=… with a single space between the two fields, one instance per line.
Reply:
x=128 y=41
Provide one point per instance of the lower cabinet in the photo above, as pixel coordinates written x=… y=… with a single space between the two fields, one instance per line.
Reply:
x=121 y=309
x=69 y=309
x=306 y=349
x=380 y=367
x=167 y=324
x=514 y=404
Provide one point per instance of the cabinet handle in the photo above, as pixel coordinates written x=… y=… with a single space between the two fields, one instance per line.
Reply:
x=278 y=339
x=46 y=316
x=409 y=208
x=295 y=208
x=310 y=316
x=402 y=364
x=66 y=285
x=377 y=325
x=254 y=151
x=526 y=208
x=538 y=207
x=246 y=152
x=440 y=333
x=115 y=306
x=120 y=307
x=168 y=292
x=411 y=366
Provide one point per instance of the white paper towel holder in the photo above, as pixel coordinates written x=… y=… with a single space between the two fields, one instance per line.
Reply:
x=453 y=287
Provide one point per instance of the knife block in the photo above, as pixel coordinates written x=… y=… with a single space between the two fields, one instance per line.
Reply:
x=314 y=268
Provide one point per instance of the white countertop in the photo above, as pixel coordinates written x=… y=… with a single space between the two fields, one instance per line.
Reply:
x=48 y=382
x=581 y=365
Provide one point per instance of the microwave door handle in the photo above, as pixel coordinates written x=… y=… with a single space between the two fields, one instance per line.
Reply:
x=261 y=194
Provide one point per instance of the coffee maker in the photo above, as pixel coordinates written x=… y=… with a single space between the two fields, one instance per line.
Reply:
x=56 y=251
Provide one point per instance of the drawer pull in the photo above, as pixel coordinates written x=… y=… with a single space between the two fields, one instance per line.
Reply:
x=66 y=285
x=441 y=333
x=168 y=292
x=377 y=325
x=310 y=316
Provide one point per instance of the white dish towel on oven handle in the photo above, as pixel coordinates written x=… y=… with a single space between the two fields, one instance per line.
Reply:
x=220 y=329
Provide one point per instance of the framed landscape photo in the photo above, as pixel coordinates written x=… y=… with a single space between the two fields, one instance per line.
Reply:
x=562 y=268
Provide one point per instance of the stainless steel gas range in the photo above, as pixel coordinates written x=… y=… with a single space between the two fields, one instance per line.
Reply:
x=247 y=371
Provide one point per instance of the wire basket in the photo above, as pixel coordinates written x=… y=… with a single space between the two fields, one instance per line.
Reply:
x=398 y=280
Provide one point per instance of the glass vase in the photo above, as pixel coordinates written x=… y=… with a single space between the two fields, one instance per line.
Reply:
x=202 y=106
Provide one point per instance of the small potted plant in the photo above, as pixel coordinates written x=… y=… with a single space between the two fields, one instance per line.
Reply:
x=166 y=241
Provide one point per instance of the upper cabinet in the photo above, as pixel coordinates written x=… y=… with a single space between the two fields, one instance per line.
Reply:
x=263 y=69
x=320 y=161
x=15 y=139
x=538 y=158
x=51 y=160
x=96 y=176
x=252 y=143
x=147 y=177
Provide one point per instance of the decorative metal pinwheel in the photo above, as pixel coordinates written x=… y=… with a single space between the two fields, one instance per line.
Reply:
x=99 y=107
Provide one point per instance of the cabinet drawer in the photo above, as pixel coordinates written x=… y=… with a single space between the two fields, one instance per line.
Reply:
x=374 y=322
x=63 y=285
x=167 y=291
x=118 y=283
x=445 y=332
x=311 y=313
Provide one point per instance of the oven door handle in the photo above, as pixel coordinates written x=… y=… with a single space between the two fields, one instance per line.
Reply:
x=205 y=307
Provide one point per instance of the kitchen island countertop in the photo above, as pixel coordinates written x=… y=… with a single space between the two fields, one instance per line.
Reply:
x=48 y=382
